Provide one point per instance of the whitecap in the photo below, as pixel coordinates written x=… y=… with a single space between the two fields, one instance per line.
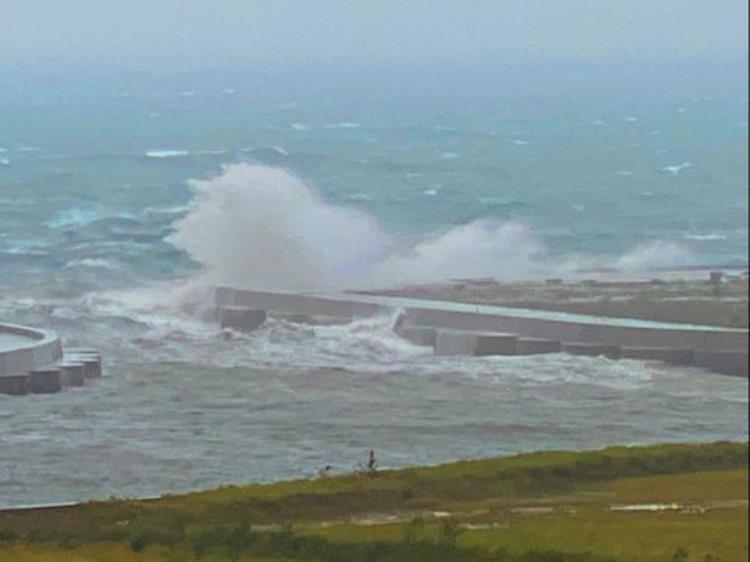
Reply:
x=520 y=142
x=342 y=125
x=230 y=91
x=631 y=119
x=168 y=210
x=25 y=248
x=625 y=173
x=166 y=153
x=99 y=263
x=4 y=162
x=712 y=236
x=675 y=169
x=187 y=94
x=449 y=156
x=299 y=126
x=73 y=217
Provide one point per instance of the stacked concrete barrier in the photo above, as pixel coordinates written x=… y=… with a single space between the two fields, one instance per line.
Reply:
x=665 y=354
x=427 y=322
x=32 y=361
x=241 y=318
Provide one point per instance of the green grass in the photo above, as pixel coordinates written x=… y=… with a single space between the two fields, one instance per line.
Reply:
x=551 y=506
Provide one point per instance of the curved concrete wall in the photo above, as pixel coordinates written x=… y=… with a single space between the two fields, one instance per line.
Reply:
x=29 y=349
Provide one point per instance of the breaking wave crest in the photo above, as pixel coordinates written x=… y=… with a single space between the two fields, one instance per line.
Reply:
x=262 y=227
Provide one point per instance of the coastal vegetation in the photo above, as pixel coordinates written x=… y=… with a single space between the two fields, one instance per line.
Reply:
x=670 y=503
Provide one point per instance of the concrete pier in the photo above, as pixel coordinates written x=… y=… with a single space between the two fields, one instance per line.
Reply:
x=443 y=324
x=32 y=360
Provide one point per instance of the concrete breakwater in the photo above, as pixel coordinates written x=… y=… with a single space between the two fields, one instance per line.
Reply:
x=34 y=361
x=461 y=328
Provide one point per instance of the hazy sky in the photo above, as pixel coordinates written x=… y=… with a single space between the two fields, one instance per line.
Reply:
x=370 y=30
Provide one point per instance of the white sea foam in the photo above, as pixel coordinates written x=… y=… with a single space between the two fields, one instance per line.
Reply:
x=449 y=156
x=258 y=226
x=169 y=153
x=299 y=126
x=520 y=142
x=655 y=254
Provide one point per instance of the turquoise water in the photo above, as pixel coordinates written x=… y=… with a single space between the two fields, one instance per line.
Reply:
x=94 y=175
x=104 y=240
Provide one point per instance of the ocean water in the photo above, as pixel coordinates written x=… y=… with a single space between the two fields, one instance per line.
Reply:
x=118 y=203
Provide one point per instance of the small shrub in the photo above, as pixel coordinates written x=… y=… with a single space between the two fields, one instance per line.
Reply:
x=138 y=543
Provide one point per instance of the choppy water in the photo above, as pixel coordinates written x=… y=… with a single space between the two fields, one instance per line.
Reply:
x=98 y=225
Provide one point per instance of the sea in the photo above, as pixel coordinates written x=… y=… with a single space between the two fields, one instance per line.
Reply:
x=124 y=195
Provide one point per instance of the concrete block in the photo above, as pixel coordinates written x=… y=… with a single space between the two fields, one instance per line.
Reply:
x=460 y=342
x=92 y=365
x=14 y=384
x=724 y=362
x=667 y=354
x=311 y=320
x=534 y=346
x=241 y=318
x=72 y=373
x=419 y=335
x=591 y=349
x=495 y=344
x=45 y=381
x=455 y=342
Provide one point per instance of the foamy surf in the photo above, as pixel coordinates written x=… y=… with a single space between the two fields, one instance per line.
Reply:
x=261 y=227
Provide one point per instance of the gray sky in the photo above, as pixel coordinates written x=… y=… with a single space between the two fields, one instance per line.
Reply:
x=371 y=30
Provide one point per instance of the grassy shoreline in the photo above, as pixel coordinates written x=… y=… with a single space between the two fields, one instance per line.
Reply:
x=615 y=504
